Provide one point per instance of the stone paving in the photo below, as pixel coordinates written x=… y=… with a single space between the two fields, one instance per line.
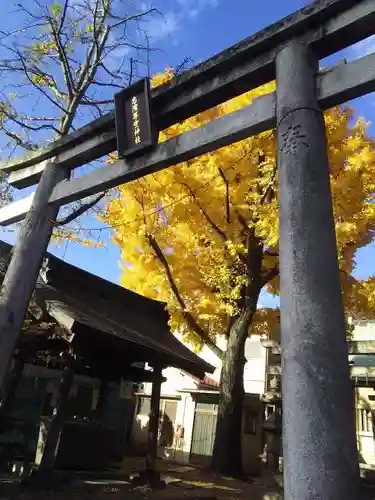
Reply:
x=182 y=482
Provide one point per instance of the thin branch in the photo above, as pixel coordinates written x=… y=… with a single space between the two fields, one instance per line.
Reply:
x=86 y=101
x=131 y=72
x=255 y=248
x=67 y=73
x=89 y=203
x=88 y=74
x=28 y=12
x=34 y=70
x=242 y=221
x=271 y=254
x=227 y=196
x=38 y=118
x=110 y=73
x=269 y=193
x=102 y=84
x=82 y=74
x=26 y=145
x=11 y=117
x=180 y=68
x=37 y=86
x=4 y=34
x=131 y=18
x=270 y=275
x=93 y=105
x=189 y=318
x=62 y=20
x=214 y=226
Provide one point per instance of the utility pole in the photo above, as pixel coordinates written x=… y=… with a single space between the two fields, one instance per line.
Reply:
x=319 y=445
x=22 y=273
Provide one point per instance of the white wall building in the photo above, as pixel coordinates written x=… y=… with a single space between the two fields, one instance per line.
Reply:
x=190 y=409
x=363 y=373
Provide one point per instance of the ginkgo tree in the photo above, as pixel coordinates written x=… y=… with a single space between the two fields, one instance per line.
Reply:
x=5 y=195
x=203 y=237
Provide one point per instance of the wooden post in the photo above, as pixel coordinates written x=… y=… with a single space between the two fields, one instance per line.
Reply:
x=20 y=278
x=9 y=388
x=59 y=414
x=102 y=399
x=153 y=426
x=319 y=443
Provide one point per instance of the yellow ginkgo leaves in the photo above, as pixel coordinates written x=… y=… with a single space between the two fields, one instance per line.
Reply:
x=201 y=212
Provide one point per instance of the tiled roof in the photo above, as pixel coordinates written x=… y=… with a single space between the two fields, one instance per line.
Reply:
x=114 y=310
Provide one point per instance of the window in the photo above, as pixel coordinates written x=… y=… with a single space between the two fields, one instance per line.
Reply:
x=364 y=420
x=170 y=409
x=250 y=421
x=167 y=407
x=207 y=408
x=254 y=349
x=144 y=406
x=167 y=417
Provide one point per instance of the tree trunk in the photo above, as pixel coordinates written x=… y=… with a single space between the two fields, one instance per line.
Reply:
x=59 y=413
x=10 y=388
x=227 y=453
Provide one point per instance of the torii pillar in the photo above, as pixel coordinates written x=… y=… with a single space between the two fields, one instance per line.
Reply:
x=319 y=444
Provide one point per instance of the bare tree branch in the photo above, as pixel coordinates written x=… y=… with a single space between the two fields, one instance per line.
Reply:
x=63 y=16
x=131 y=72
x=189 y=318
x=110 y=73
x=214 y=226
x=91 y=102
x=87 y=203
x=137 y=16
x=20 y=142
x=69 y=65
x=268 y=193
x=109 y=84
x=39 y=88
x=23 y=124
x=67 y=73
x=271 y=254
x=227 y=197
x=270 y=275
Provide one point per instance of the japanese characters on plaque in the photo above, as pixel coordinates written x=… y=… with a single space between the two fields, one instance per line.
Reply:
x=135 y=116
x=133 y=120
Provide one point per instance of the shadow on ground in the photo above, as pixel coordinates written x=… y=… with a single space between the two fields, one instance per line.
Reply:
x=182 y=482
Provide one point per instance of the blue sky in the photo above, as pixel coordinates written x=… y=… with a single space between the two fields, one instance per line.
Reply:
x=198 y=29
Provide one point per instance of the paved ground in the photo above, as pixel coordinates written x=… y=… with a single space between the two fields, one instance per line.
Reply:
x=182 y=482
x=115 y=491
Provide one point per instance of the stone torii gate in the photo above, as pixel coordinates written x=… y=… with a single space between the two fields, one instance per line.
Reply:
x=320 y=456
